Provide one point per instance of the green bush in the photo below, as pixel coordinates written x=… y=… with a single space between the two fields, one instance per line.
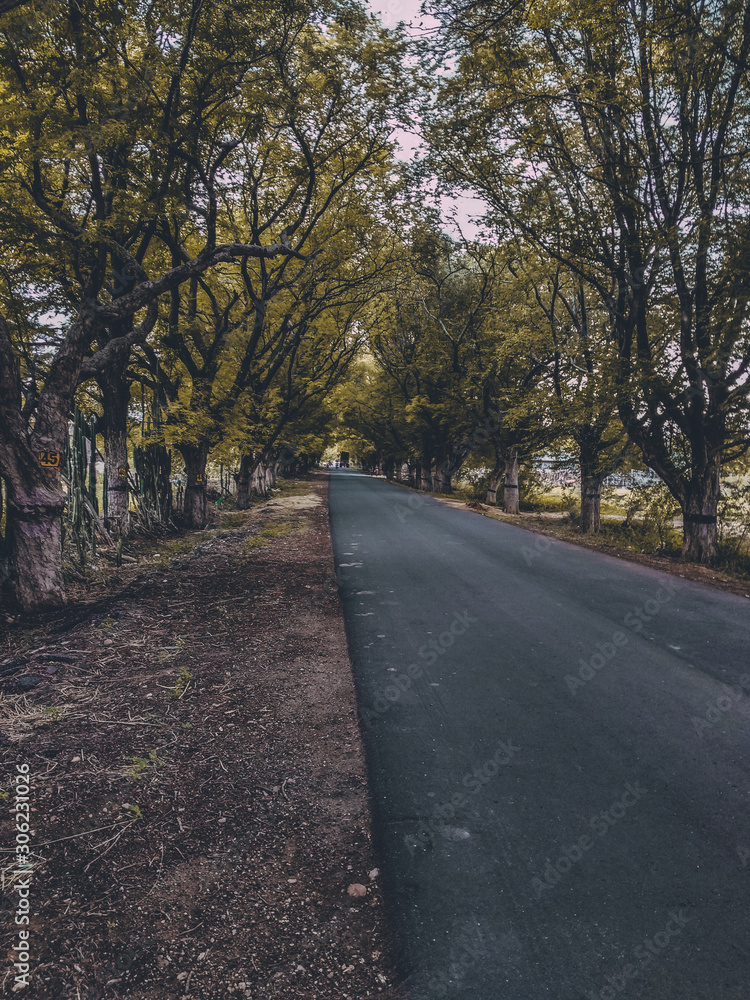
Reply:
x=467 y=485
x=734 y=521
x=658 y=509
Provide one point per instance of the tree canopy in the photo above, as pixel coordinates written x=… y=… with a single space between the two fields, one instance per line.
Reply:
x=205 y=204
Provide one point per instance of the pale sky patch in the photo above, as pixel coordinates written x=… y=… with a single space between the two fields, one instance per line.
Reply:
x=460 y=207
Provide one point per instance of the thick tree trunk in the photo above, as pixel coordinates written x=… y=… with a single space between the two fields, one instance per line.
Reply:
x=591 y=491
x=194 y=507
x=29 y=465
x=244 y=485
x=255 y=478
x=424 y=480
x=441 y=478
x=34 y=540
x=510 y=484
x=496 y=476
x=116 y=399
x=591 y=499
x=258 y=479
x=261 y=478
x=699 y=514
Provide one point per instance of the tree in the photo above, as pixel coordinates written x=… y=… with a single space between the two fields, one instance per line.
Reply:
x=612 y=137
x=101 y=111
x=581 y=367
x=427 y=339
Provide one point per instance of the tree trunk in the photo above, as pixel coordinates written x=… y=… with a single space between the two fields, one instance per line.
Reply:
x=435 y=479
x=591 y=499
x=424 y=477
x=256 y=480
x=34 y=541
x=29 y=465
x=591 y=488
x=194 y=507
x=116 y=399
x=441 y=477
x=262 y=478
x=492 y=486
x=243 y=477
x=699 y=513
x=510 y=484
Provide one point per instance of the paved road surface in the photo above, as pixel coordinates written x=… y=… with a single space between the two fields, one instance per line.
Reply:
x=559 y=757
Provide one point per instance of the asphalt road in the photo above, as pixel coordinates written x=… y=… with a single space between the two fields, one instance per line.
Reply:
x=559 y=758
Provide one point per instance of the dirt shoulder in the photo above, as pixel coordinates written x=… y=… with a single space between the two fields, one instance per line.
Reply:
x=200 y=813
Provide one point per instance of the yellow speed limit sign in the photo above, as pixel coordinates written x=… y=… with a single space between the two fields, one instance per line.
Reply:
x=50 y=459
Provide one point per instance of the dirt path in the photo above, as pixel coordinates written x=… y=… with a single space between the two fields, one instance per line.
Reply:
x=201 y=825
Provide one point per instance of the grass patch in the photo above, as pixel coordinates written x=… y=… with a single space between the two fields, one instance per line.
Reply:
x=550 y=503
x=734 y=558
x=645 y=537
x=181 y=684
x=465 y=491
x=266 y=535
x=169 y=653
x=139 y=765
x=234 y=519
x=289 y=488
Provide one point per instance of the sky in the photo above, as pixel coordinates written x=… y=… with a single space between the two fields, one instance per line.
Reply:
x=393 y=11
x=464 y=207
